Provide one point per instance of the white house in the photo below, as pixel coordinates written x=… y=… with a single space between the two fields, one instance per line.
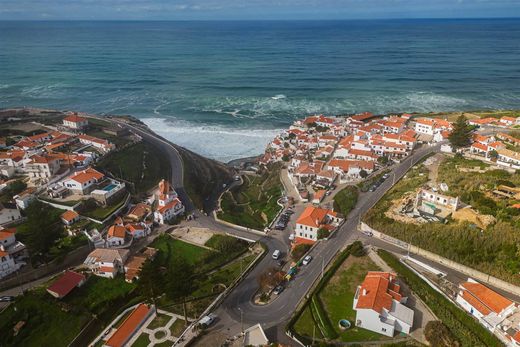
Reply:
x=138 y=230
x=9 y=215
x=75 y=122
x=116 y=235
x=313 y=219
x=23 y=199
x=41 y=166
x=508 y=158
x=106 y=262
x=81 y=182
x=169 y=205
x=489 y=307
x=101 y=144
x=8 y=249
x=380 y=307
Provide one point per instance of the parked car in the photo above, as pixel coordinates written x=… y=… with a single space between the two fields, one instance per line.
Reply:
x=291 y=237
x=6 y=298
x=207 y=320
x=289 y=212
x=276 y=254
x=307 y=260
x=278 y=289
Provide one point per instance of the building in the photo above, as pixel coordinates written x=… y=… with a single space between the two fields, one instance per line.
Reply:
x=116 y=235
x=130 y=325
x=7 y=264
x=428 y=200
x=168 y=204
x=379 y=305
x=509 y=158
x=312 y=220
x=9 y=215
x=489 y=307
x=82 y=182
x=135 y=263
x=107 y=262
x=253 y=336
x=42 y=166
x=66 y=283
x=23 y=199
x=70 y=217
x=75 y=122
x=101 y=144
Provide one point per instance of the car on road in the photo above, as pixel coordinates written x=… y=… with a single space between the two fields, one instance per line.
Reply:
x=372 y=189
x=289 y=212
x=276 y=254
x=207 y=320
x=278 y=289
x=291 y=237
x=307 y=260
x=6 y=298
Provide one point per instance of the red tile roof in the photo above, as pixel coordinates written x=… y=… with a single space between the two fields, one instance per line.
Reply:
x=314 y=216
x=129 y=326
x=117 y=231
x=69 y=215
x=87 y=175
x=488 y=300
x=64 y=285
x=74 y=118
x=377 y=291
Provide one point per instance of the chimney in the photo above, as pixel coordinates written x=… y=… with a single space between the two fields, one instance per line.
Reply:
x=364 y=291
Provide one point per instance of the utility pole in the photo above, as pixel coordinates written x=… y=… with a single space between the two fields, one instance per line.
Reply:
x=241 y=320
x=322 y=265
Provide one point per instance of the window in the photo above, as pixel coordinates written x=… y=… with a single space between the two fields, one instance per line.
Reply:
x=383 y=329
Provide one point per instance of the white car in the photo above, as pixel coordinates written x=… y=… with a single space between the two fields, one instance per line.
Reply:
x=307 y=260
x=276 y=254
x=291 y=237
x=207 y=320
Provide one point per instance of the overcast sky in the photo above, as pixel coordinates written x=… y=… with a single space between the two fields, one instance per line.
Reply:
x=255 y=9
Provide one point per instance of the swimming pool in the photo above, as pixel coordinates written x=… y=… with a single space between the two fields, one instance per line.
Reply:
x=110 y=187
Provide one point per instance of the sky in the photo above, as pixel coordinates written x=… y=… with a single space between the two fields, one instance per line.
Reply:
x=253 y=9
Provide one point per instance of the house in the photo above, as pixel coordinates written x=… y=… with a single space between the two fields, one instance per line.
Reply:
x=23 y=199
x=75 y=122
x=138 y=230
x=106 y=262
x=169 y=205
x=82 y=182
x=507 y=157
x=7 y=264
x=70 y=217
x=312 y=220
x=489 y=307
x=9 y=215
x=318 y=196
x=253 y=336
x=379 y=305
x=139 y=212
x=507 y=121
x=116 y=235
x=66 y=283
x=42 y=166
x=135 y=263
x=131 y=325
x=101 y=144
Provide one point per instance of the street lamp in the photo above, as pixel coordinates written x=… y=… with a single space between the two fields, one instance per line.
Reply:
x=241 y=320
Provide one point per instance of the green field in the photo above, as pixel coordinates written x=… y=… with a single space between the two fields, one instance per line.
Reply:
x=141 y=163
x=495 y=250
x=169 y=246
x=100 y=213
x=254 y=203
x=51 y=322
x=345 y=200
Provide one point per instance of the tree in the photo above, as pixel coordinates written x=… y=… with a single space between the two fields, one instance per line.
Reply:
x=323 y=233
x=269 y=278
x=180 y=281
x=493 y=154
x=151 y=280
x=42 y=229
x=16 y=187
x=462 y=133
x=383 y=160
x=363 y=174
x=299 y=251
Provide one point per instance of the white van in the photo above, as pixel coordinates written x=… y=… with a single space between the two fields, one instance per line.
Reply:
x=276 y=254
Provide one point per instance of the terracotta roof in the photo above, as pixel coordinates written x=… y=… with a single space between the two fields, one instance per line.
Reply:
x=86 y=175
x=480 y=146
x=74 y=118
x=5 y=234
x=106 y=269
x=69 y=215
x=129 y=326
x=487 y=300
x=94 y=139
x=314 y=216
x=64 y=285
x=377 y=291
x=170 y=205
x=117 y=231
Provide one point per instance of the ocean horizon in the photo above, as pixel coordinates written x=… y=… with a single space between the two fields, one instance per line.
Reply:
x=225 y=88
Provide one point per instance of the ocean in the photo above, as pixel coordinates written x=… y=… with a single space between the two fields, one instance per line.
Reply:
x=223 y=89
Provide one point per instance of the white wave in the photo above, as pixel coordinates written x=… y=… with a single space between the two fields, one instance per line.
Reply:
x=278 y=97
x=217 y=142
x=44 y=91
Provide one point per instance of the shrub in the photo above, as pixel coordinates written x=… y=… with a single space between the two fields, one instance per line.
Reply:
x=299 y=251
x=438 y=335
x=357 y=249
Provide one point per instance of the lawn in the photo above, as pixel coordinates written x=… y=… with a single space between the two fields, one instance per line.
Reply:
x=338 y=297
x=160 y=320
x=254 y=203
x=142 y=164
x=50 y=322
x=178 y=327
x=345 y=200
x=170 y=246
x=495 y=250
x=142 y=341
x=102 y=212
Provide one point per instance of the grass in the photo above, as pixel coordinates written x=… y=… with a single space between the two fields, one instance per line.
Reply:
x=141 y=163
x=142 y=341
x=464 y=327
x=102 y=212
x=254 y=203
x=159 y=321
x=306 y=325
x=178 y=327
x=345 y=200
x=51 y=322
x=169 y=246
